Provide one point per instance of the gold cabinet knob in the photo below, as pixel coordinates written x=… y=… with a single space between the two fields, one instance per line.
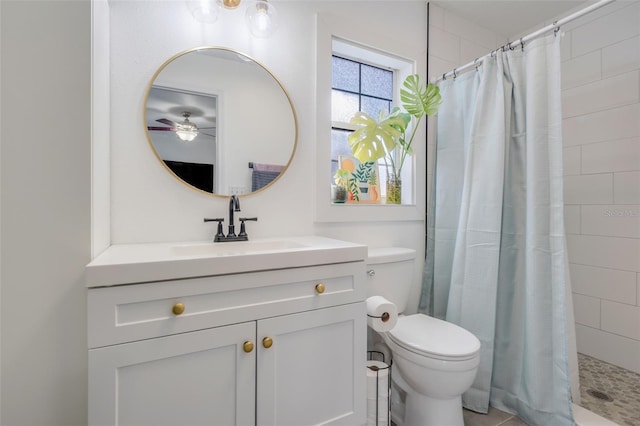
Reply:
x=267 y=342
x=320 y=288
x=178 y=308
x=247 y=346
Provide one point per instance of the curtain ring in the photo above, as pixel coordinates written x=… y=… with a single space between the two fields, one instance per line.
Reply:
x=521 y=43
x=454 y=74
x=444 y=76
x=555 y=31
x=512 y=48
x=474 y=63
x=494 y=53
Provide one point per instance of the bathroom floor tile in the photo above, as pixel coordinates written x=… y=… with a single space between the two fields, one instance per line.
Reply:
x=494 y=417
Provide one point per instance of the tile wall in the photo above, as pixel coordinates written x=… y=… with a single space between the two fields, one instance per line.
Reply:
x=601 y=126
x=601 y=132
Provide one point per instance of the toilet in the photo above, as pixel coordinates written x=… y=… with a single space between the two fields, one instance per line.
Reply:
x=434 y=361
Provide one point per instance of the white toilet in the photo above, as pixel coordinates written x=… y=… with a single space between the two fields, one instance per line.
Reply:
x=434 y=361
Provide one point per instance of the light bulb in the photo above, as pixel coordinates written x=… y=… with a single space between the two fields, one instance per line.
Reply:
x=186 y=135
x=262 y=18
x=204 y=10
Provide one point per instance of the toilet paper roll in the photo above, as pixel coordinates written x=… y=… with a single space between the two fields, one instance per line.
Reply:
x=377 y=393
x=381 y=375
x=382 y=315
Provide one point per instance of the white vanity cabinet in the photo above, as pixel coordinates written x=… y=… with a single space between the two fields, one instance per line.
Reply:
x=282 y=347
x=197 y=378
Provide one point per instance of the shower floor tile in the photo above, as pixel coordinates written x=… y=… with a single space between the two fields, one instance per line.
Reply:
x=610 y=391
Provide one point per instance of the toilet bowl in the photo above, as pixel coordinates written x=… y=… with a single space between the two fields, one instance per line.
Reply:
x=434 y=361
x=438 y=362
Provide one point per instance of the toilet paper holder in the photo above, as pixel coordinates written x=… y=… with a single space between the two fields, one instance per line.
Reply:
x=382 y=410
x=384 y=317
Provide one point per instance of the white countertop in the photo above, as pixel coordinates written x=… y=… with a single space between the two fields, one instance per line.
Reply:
x=137 y=263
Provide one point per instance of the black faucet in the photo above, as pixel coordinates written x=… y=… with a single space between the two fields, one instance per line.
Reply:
x=234 y=205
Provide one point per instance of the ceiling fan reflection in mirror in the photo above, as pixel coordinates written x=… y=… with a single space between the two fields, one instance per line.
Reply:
x=185 y=130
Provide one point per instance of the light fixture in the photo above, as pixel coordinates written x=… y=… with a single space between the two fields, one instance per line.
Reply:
x=262 y=18
x=205 y=10
x=186 y=131
x=231 y=4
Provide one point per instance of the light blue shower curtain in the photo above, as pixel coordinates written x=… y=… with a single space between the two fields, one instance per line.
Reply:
x=495 y=253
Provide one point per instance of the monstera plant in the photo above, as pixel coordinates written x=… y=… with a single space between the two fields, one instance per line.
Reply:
x=391 y=135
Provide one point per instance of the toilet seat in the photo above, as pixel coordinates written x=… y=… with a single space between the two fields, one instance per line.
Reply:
x=434 y=338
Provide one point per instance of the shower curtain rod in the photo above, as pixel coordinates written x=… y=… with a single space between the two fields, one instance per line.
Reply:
x=520 y=42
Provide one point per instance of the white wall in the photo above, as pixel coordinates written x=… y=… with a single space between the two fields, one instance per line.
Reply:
x=601 y=124
x=45 y=187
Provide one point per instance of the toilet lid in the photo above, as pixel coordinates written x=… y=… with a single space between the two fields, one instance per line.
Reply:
x=431 y=336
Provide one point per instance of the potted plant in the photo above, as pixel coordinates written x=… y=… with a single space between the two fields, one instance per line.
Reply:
x=339 y=191
x=387 y=138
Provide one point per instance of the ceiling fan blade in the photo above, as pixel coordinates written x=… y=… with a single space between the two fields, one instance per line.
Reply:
x=167 y=122
x=207 y=134
x=161 y=128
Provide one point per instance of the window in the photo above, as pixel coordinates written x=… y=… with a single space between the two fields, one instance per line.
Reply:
x=366 y=80
x=356 y=86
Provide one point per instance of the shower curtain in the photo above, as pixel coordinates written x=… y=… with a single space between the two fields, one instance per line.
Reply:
x=495 y=252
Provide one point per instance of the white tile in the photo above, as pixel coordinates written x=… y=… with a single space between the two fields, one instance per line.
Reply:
x=586 y=310
x=611 y=220
x=611 y=156
x=588 y=189
x=571 y=160
x=608 y=284
x=438 y=66
x=626 y=188
x=617 y=123
x=565 y=48
x=604 y=252
x=436 y=16
x=572 y=219
x=444 y=45
x=584 y=417
x=623 y=89
x=470 y=51
x=581 y=70
x=621 y=319
x=621 y=57
x=608 y=30
x=471 y=31
x=618 y=350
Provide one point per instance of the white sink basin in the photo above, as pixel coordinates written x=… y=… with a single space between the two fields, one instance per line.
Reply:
x=235 y=248
x=149 y=262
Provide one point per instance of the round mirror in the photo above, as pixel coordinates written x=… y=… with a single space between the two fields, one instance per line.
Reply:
x=220 y=121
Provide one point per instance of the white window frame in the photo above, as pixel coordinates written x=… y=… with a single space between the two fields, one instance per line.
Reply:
x=331 y=41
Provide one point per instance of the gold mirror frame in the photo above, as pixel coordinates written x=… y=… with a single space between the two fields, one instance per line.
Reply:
x=243 y=57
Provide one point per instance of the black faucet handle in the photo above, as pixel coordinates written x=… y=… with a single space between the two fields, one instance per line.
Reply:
x=243 y=231
x=219 y=233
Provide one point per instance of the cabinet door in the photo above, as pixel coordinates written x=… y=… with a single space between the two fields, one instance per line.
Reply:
x=191 y=379
x=314 y=371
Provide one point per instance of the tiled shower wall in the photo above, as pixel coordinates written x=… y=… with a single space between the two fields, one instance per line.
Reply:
x=601 y=110
x=601 y=126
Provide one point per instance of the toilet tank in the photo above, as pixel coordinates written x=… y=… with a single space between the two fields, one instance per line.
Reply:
x=390 y=274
